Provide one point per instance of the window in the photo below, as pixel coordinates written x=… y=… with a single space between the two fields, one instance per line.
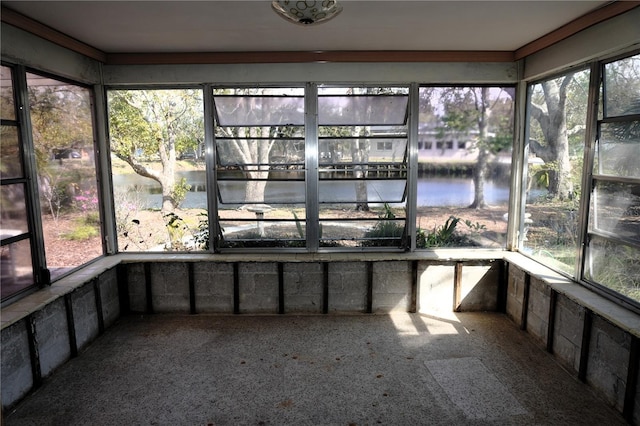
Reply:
x=362 y=195
x=613 y=236
x=462 y=145
x=16 y=264
x=558 y=117
x=260 y=167
x=451 y=181
x=62 y=133
x=159 y=177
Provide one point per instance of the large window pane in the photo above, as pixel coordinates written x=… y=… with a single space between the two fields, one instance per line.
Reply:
x=558 y=109
x=159 y=177
x=465 y=139
x=61 y=118
x=260 y=167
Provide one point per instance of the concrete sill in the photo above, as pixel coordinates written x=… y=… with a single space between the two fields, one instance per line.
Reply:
x=616 y=314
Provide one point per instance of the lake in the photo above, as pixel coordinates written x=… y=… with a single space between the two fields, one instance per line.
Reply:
x=432 y=191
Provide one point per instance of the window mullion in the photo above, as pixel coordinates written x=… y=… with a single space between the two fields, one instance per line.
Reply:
x=311 y=168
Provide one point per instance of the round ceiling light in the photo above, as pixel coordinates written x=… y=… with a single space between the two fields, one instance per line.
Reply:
x=307 y=12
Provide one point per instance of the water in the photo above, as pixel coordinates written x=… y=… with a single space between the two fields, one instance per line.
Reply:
x=432 y=191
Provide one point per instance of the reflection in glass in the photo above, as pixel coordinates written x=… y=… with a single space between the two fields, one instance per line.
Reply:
x=7 y=102
x=622 y=84
x=362 y=110
x=13 y=210
x=615 y=208
x=15 y=267
x=275 y=192
x=618 y=149
x=615 y=266
x=378 y=191
x=247 y=111
x=10 y=158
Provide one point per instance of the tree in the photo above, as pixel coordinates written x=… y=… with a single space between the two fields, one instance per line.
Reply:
x=470 y=109
x=149 y=123
x=551 y=114
x=265 y=122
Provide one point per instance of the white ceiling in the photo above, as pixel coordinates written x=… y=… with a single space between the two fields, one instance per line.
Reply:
x=242 y=26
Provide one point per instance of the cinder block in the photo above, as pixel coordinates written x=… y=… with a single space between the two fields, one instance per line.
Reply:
x=538 y=309
x=348 y=286
x=52 y=336
x=213 y=282
x=303 y=287
x=85 y=315
x=258 y=287
x=136 y=285
x=391 y=286
x=17 y=378
x=568 y=326
x=515 y=293
x=608 y=360
x=435 y=287
x=479 y=288
x=170 y=287
x=110 y=297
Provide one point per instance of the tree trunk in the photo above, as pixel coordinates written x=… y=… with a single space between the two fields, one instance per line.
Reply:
x=480 y=169
x=553 y=123
x=360 y=154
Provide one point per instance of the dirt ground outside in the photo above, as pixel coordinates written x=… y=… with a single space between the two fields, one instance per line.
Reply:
x=147 y=231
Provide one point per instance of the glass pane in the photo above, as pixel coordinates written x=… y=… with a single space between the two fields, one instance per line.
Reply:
x=7 y=102
x=61 y=117
x=622 y=87
x=369 y=191
x=618 y=149
x=615 y=266
x=15 y=267
x=615 y=208
x=379 y=228
x=158 y=168
x=259 y=110
x=13 y=210
x=550 y=229
x=264 y=233
x=270 y=192
x=10 y=158
x=465 y=138
x=275 y=152
x=354 y=110
x=339 y=151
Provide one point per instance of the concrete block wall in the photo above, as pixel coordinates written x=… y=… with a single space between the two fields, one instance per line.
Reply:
x=571 y=324
x=308 y=287
x=54 y=325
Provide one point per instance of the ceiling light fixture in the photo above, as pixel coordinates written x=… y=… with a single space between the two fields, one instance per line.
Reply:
x=307 y=12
